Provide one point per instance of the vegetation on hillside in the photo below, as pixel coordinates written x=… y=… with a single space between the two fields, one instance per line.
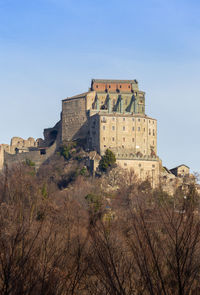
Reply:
x=107 y=161
x=64 y=232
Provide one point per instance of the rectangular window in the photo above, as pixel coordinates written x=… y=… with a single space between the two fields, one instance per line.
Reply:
x=133 y=139
x=113 y=118
x=104 y=138
x=113 y=128
x=104 y=127
x=123 y=139
x=138 y=128
x=138 y=120
x=144 y=129
x=133 y=119
x=113 y=139
x=149 y=131
x=133 y=128
x=123 y=119
x=123 y=128
x=125 y=164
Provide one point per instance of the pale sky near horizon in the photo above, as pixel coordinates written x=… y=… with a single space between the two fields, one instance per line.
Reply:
x=51 y=49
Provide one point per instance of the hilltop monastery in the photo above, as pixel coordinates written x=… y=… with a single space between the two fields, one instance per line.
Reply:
x=111 y=115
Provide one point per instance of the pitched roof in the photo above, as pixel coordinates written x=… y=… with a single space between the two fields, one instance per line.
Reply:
x=180 y=166
x=76 y=96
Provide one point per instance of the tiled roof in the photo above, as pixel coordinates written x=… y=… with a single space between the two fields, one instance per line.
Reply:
x=76 y=96
x=114 y=81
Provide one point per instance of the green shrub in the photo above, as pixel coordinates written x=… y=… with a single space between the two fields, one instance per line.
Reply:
x=83 y=171
x=65 y=150
x=107 y=161
x=94 y=202
x=29 y=163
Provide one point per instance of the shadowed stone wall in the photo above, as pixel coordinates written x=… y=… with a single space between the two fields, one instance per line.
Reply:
x=74 y=119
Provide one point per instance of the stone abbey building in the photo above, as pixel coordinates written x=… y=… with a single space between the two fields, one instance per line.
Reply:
x=111 y=115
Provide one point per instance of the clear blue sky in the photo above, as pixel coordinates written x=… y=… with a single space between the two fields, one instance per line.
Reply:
x=50 y=49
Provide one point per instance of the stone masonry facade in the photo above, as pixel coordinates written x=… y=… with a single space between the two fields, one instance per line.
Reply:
x=111 y=115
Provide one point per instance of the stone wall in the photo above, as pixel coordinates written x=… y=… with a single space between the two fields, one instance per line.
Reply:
x=74 y=119
x=21 y=149
x=145 y=169
x=52 y=134
x=37 y=156
x=1 y=157
x=134 y=133
x=23 y=143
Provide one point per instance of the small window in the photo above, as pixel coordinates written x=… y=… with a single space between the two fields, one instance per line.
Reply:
x=139 y=165
x=133 y=128
x=104 y=127
x=113 y=118
x=96 y=86
x=153 y=132
x=42 y=152
x=149 y=131
x=125 y=164
x=141 y=101
x=104 y=138
x=123 y=128
x=153 y=166
x=104 y=145
x=113 y=139
x=109 y=86
x=123 y=119
x=123 y=146
x=144 y=120
x=124 y=139
x=149 y=121
x=129 y=86
x=138 y=120
x=138 y=128
x=120 y=86
x=133 y=139
x=144 y=129
x=153 y=122
x=113 y=127
x=153 y=142
x=133 y=119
